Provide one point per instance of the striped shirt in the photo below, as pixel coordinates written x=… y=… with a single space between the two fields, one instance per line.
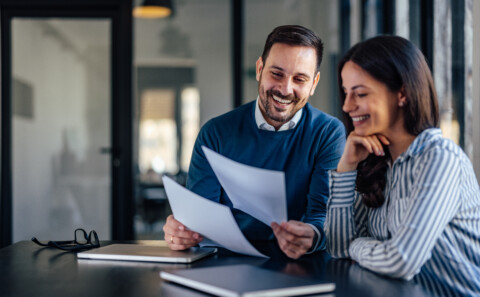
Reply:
x=429 y=223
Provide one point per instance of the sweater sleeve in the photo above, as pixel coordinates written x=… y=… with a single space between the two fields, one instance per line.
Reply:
x=432 y=203
x=201 y=178
x=326 y=159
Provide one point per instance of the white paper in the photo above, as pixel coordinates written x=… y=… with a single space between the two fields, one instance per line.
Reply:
x=212 y=220
x=256 y=191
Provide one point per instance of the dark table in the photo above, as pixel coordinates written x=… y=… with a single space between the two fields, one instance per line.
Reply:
x=29 y=270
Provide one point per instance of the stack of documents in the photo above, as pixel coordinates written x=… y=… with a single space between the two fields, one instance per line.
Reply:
x=241 y=183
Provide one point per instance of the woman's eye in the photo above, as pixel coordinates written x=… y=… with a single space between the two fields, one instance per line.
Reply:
x=361 y=95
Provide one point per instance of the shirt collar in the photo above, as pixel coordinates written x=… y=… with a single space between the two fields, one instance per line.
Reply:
x=263 y=125
x=422 y=141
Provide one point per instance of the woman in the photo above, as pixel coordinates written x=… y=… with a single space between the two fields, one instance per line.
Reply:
x=403 y=199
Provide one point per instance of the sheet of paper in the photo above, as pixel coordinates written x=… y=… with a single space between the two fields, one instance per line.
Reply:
x=256 y=191
x=213 y=220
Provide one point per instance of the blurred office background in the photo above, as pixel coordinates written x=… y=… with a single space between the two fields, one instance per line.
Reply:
x=100 y=104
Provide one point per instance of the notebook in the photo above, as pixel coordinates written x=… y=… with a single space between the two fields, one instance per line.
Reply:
x=147 y=253
x=246 y=281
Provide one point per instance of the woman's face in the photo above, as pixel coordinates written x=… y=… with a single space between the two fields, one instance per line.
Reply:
x=373 y=108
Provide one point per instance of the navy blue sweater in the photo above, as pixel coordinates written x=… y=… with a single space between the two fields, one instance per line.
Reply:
x=305 y=153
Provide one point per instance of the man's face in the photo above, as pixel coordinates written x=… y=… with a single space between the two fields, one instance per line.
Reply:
x=285 y=81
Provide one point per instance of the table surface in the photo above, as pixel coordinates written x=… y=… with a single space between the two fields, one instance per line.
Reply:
x=29 y=270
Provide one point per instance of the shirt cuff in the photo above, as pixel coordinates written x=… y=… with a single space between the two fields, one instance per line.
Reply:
x=316 y=239
x=359 y=246
x=342 y=188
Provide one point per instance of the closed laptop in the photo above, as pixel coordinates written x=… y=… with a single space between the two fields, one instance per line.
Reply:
x=246 y=281
x=146 y=253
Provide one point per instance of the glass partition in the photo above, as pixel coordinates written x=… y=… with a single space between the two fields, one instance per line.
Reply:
x=60 y=123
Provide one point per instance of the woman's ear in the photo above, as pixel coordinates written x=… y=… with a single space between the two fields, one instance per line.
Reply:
x=402 y=99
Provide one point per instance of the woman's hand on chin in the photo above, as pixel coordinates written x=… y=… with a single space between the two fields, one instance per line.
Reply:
x=358 y=148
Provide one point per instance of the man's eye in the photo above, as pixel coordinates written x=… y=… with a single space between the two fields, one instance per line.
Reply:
x=300 y=80
x=276 y=74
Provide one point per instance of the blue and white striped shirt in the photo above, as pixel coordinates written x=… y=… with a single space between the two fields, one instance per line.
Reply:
x=430 y=221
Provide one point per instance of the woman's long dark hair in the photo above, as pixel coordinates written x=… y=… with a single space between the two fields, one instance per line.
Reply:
x=398 y=64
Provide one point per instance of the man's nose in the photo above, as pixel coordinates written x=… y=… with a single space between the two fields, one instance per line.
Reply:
x=287 y=87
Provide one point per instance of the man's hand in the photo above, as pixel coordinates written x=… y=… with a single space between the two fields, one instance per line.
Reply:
x=178 y=237
x=294 y=238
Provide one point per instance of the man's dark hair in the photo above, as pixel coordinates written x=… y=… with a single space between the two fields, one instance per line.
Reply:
x=294 y=35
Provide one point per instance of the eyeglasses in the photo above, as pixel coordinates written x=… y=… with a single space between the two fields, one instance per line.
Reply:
x=82 y=241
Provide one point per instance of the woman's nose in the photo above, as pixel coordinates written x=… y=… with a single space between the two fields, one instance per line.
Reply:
x=349 y=104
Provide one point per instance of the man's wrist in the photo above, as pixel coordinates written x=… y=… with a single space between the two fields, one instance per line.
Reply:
x=315 y=240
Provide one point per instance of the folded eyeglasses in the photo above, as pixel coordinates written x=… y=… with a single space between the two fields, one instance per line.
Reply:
x=82 y=241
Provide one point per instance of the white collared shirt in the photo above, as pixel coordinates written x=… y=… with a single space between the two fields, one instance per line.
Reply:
x=263 y=125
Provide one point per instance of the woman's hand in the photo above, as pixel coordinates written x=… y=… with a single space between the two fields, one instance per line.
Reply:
x=358 y=148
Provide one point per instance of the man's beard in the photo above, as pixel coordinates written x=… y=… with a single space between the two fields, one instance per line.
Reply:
x=267 y=104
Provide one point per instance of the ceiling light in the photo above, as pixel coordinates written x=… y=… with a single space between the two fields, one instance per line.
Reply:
x=151 y=9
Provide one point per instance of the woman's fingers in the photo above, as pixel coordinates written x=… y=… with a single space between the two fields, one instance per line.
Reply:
x=372 y=143
x=358 y=148
x=376 y=145
x=383 y=139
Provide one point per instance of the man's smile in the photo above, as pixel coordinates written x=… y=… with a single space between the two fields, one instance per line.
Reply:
x=282 y=101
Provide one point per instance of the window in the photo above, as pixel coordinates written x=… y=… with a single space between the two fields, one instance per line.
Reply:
x=183 y=78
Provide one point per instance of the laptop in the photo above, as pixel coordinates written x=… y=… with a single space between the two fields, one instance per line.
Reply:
x=146 y=253
x=246 y=281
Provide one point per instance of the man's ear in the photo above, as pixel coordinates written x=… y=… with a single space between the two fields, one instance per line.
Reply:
x=315 y=82
x=259 y=68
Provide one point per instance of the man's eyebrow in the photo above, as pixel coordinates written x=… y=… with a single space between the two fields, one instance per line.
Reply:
x=277 y=68
x=281 y=69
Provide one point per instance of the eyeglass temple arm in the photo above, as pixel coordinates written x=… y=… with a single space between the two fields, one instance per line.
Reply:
x=50 y=243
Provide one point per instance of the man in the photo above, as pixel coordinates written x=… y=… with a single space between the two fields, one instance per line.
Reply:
x=279 y=131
